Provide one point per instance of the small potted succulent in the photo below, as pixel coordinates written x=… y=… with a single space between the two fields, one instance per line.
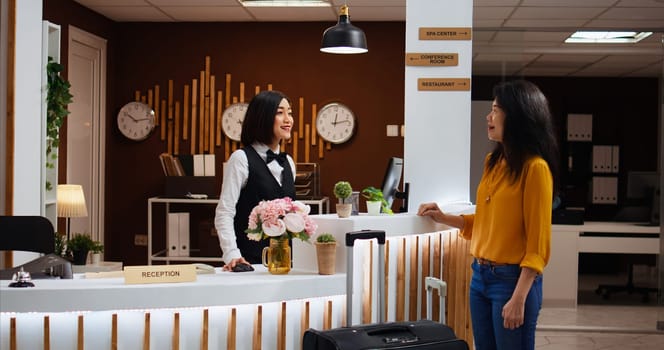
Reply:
x=343 y=191
x=96 y=251
x=326 y=246
x=375 y=201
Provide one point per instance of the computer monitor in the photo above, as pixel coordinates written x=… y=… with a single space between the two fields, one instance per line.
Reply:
x=391 y=182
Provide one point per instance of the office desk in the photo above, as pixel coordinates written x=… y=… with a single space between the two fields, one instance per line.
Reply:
x=567 y=241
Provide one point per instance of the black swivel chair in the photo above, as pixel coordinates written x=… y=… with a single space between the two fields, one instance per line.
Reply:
x=32 y=234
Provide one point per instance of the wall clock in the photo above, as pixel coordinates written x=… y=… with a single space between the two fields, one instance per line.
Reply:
x=231 y=120
x=335 y=123
x=136 y=120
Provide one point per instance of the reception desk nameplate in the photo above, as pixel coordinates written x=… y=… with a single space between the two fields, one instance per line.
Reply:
x=160 y=274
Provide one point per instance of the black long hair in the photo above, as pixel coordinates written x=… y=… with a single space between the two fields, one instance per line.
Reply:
x=527 y=130
x=259 y=120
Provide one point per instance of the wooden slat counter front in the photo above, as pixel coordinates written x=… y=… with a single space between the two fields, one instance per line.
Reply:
x=416 y=247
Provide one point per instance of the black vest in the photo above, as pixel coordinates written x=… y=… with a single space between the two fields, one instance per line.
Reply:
x=261 y=185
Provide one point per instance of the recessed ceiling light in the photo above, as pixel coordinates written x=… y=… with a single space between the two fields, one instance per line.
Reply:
x=607 y=37
x=285 y=3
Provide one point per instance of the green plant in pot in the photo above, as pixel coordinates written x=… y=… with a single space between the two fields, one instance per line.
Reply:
x=326 y=252
x=58 y=99
x=375 y=201
x=80 y=245
x=343 y=191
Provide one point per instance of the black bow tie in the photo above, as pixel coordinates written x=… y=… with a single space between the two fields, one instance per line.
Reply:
x=280 y=158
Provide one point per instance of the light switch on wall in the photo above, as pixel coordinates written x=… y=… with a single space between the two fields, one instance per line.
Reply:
x=392 y=130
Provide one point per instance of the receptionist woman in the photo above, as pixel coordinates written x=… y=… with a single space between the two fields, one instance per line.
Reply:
x=257 y=171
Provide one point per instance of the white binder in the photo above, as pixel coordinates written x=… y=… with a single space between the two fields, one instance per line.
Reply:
x=183 y=234
x=173 y=234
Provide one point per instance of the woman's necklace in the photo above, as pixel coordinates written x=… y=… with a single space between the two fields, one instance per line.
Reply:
x=492 y=181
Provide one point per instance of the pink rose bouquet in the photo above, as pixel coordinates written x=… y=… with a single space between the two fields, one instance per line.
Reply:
x=282 y=217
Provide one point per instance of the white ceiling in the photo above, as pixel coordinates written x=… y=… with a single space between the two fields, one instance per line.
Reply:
x=510 y=37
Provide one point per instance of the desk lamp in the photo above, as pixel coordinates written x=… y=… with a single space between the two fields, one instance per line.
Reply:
x=71 y=203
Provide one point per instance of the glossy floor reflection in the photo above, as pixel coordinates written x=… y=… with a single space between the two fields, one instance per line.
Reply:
x=599 y=327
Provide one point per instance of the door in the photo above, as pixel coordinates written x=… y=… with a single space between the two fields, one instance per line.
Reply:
x=86 y=127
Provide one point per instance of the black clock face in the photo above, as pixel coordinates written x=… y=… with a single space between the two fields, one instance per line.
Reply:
x=136 y=120
x=335 y=123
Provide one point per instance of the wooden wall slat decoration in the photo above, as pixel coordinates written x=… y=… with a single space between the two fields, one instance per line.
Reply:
x=202 y=113
x=220 y=110
x=176 y=137
x=169 y=137
x=437 y=263
x=307 y=131
x=162 y=123
x=170 y=99
x=137 y=96
x=185 y=113
x=194 y=115
x=150 y=99
x=156 y=105
x=295 y=153
x=228 y=91
x=300 y=116
x=212 y=117
x=313 y=124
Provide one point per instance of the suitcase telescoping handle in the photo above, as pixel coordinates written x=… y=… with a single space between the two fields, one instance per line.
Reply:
x=351 y=237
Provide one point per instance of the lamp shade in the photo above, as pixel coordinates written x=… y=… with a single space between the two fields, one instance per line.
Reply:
x=71 y=201
x=344 y=38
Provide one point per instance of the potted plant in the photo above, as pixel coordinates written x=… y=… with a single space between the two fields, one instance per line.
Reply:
x=375 y=201
x=343 y=191
x=96 y=251
x=326 y=246
x=58 y=98
x=80 y=245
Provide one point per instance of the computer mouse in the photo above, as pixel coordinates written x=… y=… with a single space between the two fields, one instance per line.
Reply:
x=242 y=268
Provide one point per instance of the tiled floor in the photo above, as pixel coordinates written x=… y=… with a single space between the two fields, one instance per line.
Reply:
x=600 y=327
x=622 y=322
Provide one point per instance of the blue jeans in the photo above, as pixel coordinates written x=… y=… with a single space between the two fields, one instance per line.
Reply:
x=490 y=289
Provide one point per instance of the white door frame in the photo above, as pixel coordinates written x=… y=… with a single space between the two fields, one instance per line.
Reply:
x=97 y=107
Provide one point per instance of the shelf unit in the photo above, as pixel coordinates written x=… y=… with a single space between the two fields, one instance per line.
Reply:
x=161 y=254
x=50 y=48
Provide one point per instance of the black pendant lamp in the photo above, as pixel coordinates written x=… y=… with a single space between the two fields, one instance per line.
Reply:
x=344 y=38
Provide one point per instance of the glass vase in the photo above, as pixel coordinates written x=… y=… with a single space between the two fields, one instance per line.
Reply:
x=277 y=257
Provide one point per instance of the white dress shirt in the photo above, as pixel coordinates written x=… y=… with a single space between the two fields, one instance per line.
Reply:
x=235 y=176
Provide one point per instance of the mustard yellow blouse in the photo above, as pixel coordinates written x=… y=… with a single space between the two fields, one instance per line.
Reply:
x=512 y=220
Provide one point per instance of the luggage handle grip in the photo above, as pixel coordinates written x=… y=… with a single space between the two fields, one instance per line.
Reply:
x=364 y=234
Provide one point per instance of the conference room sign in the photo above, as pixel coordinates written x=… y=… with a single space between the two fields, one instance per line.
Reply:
x=440 y=59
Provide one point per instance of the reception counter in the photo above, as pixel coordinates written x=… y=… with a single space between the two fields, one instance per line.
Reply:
x=249 y=310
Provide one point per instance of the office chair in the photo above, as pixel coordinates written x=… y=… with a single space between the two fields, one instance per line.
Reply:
x=33 y=234
x=27 y=233
x=605 y=290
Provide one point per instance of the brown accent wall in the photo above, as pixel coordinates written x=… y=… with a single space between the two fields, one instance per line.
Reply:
x=286 y=55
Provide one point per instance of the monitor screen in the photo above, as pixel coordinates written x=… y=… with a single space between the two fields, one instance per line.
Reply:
x=392 y=179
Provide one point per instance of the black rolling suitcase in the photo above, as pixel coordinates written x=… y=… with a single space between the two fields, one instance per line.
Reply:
x=423 y=334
